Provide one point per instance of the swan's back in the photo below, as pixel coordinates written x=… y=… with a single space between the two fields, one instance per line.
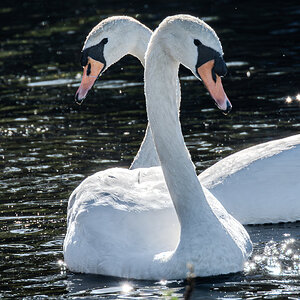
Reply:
x=259 y=184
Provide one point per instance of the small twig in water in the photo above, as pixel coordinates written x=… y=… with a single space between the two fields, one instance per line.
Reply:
x=190 y=282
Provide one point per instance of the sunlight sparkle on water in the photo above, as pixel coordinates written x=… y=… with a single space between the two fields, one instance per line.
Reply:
x=126 y=288
x=61 y=263
x=274 y=268
x=288 y=99
x=63 y=267
x=249 y=266
x=298 y=97
x=277 y=259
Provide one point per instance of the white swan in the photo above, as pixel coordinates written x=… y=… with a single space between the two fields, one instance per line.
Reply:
x=118 y=219
x=126 y=36
x=259 y=184
x=272 y=168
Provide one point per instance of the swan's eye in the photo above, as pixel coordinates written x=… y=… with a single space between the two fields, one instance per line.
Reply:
x=197 y=42
x=88 y=71
x=104 y=41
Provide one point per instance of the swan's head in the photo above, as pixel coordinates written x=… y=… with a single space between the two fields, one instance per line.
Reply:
x=195 y=44
x=107 y=43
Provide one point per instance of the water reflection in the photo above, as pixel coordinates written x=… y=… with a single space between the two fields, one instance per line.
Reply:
x=277 y=259
x=48 y=144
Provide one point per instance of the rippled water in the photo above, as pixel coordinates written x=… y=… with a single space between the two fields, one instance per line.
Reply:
x=48 y=144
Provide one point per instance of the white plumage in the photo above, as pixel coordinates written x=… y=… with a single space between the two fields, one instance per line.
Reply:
x=256 y=185
x=260 y=184
x=121 y=223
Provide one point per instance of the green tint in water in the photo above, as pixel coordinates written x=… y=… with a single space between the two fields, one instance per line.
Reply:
x=48 y=144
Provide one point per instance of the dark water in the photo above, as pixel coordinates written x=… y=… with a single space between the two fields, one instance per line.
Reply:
x=48 y=144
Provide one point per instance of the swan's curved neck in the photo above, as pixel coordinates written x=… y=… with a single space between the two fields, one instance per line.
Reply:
x=161 y=76
x=142 y=37
x=147 y=155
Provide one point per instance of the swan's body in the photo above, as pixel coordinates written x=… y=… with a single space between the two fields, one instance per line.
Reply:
x=259 y=184
x=260 y=166
x=120 y=222
x=132 y=223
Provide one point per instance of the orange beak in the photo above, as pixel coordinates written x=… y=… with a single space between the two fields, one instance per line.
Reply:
x=215 y=88
x=90 y=73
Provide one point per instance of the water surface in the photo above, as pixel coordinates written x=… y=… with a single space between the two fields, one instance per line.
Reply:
x=48 y=144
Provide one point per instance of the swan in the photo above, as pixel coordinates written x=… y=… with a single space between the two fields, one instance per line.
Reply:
x=118 y=219
x=272 y=167
x=259 y=184
x=133 y=36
